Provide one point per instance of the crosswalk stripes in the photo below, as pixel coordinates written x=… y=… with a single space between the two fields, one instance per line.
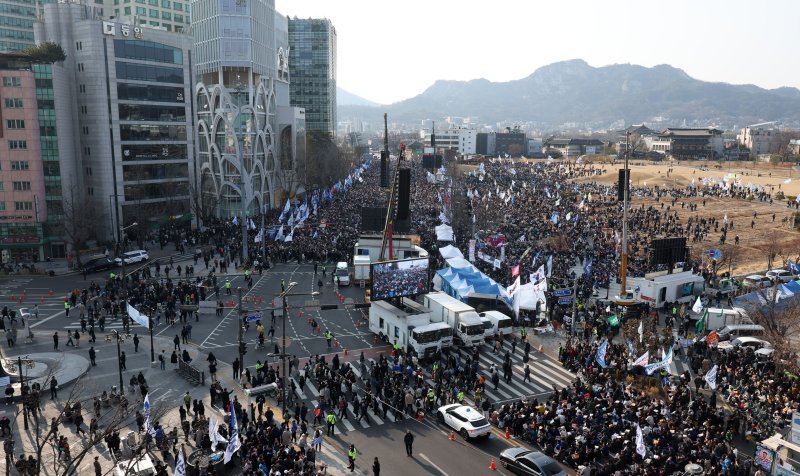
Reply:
x=545 y=376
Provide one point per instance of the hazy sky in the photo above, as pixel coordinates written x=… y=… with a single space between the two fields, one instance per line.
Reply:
x=393 y=50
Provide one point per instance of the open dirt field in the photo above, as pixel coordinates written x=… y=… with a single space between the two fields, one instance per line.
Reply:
x=755 y=243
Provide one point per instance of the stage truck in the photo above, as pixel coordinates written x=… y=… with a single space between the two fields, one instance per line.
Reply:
x=462 y=318
x=409 y=325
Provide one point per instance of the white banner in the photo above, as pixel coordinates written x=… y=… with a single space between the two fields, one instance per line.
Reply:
x=138 y=317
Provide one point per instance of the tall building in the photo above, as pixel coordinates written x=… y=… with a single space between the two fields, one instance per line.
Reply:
x=120 y=102
x=22 y=206
x=164 y=14
x=762 y=138
x=312 y=69
x=16 y=24
x=248 y=137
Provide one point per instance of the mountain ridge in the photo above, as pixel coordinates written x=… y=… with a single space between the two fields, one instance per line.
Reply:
x=574 y=91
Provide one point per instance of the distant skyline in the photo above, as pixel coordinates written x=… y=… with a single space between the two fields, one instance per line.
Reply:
x=393 y=50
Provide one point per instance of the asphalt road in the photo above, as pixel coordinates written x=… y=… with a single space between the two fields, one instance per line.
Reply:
x=211 y=333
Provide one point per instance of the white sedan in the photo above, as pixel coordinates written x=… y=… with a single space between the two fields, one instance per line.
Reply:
x=468 y=422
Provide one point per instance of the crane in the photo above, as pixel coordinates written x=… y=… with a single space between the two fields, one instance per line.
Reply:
x=390 y=209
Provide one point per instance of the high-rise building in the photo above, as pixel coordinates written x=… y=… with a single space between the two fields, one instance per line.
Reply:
x=124 y=145
x=248 y=137
x=22 y=207
x=312 y=70
x=163 y=14
x=16 y=23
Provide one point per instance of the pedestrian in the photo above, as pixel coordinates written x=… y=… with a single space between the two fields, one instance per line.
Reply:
x=92 y=356
x=92 y=336
x=236 y=368
x=122 y=358
x=331 y=421
x=409 y=441
x=135 y=342
x=161 y=360
x=98 y=471
x=177 y=342
x=77 y=338
x=55 y=341
x=376 y=467
x=351 y=455
x=53 y=388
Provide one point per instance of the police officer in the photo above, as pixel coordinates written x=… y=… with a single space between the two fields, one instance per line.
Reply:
x=227 y=286
x=329 y=337
x=351 y=455
x=331 y=421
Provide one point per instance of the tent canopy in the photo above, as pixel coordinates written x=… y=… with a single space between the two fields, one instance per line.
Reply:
x=467 y=281
x=450 y=251
x=444 y=232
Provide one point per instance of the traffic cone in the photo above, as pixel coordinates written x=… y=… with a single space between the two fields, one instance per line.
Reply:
x=51 y=292
x=41 y=300
x=452 y=436
x=541 y=348
x=492 y=466
x=508 y=435
x=336 y=343
x=420 y=416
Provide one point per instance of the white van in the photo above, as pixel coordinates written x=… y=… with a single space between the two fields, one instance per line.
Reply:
x=500 y=322
x=342 y=273
x=488 y=328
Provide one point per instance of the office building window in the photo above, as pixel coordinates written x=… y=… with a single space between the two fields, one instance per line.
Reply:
x=2 y=206
x=13 y=103
x=153 y=13
x=138 y=72
x=177 y=5
x=20 y=165
x=12 y=81
x=23 y=206
x=166 y=16
x=166 y=4
x=141 y=10
x=127 y=10
x=21 y=186
x=15 y=124
x=17 y=144
x=148 y=51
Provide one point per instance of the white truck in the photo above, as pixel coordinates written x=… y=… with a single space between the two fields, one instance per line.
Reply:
x=409 y=326
x=462 y=318
x=361 y=266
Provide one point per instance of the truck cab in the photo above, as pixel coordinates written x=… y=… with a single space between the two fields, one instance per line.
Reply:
x=500 y=322
x=470 y=330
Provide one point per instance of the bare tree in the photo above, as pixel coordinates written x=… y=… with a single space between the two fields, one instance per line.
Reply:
x=80 y=220
x=111 y=418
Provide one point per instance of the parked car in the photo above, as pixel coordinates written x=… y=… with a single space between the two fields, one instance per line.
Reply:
x=526 y=462
x=138 y=466
x=467 y=421
x=132 y=257
x=780 y=275
x=98 y=264
x=756 y=281
x=745 y=342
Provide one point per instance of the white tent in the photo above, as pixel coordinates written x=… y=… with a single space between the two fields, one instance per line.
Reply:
x=450 y=251
x=529 y=295
x=444 y=233
x=458 y=262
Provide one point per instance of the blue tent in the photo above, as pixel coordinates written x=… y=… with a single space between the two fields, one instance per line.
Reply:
x=461 y=283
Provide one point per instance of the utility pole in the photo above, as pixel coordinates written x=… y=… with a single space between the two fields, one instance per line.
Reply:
x=284 y=380
x=241 y=329
x=119 y=365
x=21 y=386
x=623 y=271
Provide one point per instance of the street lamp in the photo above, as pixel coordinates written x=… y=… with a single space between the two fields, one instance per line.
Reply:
x=119 y=362
x=283 y=296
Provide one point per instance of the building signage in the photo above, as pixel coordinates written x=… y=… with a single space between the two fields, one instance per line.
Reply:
x=10 y=240
x=110 y=28
x=795 y=435
x=565 y=300
x=562 y=292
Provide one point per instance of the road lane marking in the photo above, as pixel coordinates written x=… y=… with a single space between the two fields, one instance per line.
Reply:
x=433 y=464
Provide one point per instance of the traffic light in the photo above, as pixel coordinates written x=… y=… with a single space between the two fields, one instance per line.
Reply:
x=242 y=348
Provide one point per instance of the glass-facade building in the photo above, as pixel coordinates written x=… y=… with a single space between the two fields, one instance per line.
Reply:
x=124 y=110
x=242 y=97
x=16 y=23
x=165 y=14
x=312 y=67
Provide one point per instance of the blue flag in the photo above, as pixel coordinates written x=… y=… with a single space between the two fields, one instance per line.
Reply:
x=601 y=354
x=233 y=442
x=794 y=268
x=554 y=218
x=587 y=267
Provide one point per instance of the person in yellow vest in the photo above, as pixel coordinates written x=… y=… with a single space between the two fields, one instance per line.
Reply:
x=111 y=276
x=227 y=286
x=523 y=333
x=351 y=455
x=460 y=396
x=331 y=421
x=66 y=307
x=329 y=337
x=477 y=396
